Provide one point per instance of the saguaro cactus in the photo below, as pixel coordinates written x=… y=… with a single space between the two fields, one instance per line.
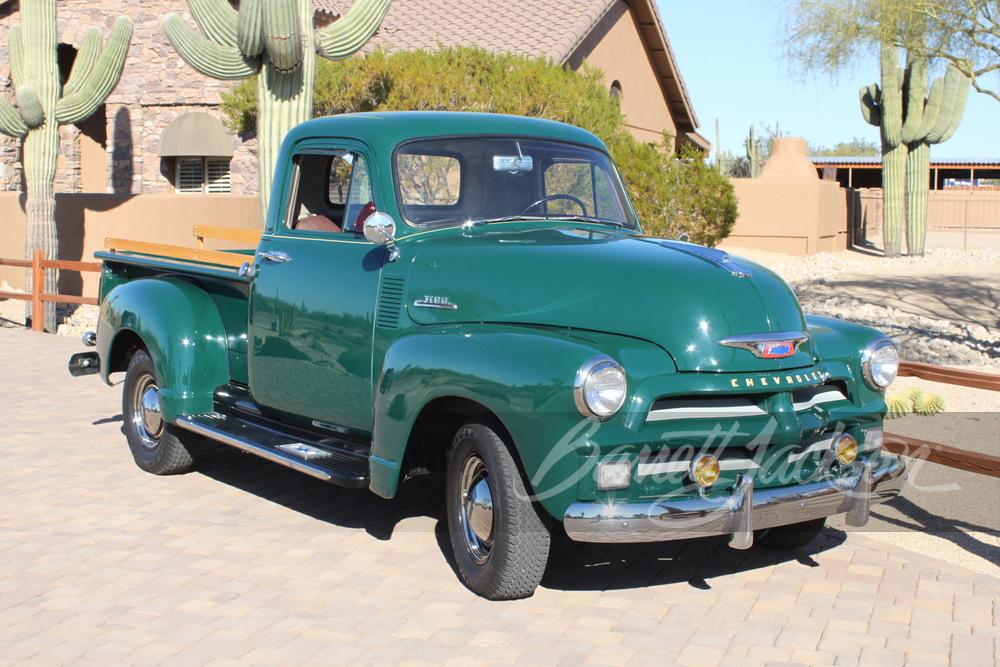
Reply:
x=273 y=40
x=44 y=105
x=930 y=119
x=910 y=121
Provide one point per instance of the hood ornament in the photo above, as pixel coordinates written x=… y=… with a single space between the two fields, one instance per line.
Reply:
x=714 y=255
x=775 y=345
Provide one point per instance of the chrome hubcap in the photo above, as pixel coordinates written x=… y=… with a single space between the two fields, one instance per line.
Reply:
x=146 y=415
x=477 y=509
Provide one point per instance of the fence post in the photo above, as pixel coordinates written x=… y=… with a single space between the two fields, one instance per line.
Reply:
x=37 y=285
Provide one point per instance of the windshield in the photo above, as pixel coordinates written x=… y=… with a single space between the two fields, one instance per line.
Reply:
x=485 y=179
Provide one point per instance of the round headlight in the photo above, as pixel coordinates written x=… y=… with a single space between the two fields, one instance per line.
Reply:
x=705 y=470
x=600 y=387
x=880 y=363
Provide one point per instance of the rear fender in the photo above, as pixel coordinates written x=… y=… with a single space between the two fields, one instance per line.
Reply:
x=181 y=328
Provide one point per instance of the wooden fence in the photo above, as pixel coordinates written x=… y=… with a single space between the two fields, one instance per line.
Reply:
x=38 y=265
x=984 y=464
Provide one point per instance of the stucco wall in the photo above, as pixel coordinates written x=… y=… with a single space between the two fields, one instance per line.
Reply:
x=156 y=87
x=615 y=46
x=84 y=221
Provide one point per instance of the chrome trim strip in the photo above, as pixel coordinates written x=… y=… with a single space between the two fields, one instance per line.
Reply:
x=716 y=408
x=825 y=397
x=754 y=343
x=713 y=255
x=667 y=467
x=658 y=521
x=263 y=452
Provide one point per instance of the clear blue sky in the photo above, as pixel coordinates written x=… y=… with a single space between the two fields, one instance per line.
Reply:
x=728 y=55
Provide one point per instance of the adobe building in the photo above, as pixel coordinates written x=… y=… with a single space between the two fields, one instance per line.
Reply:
x=126 y=148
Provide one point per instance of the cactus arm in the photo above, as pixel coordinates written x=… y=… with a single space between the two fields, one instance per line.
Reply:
x=348 y=34
x=216 y=18
x=30 y=106
x=211 y=59
x=892 y=103
x=90 y=50
x=11 y=122
x=103 y=77
x=932 y=109
x=956 y=92
x=281 y=34
x=16 y=57
x=250 y=28
x=869 y=104
x=916 y=95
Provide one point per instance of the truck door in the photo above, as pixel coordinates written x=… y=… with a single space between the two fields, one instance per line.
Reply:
x=312 y=301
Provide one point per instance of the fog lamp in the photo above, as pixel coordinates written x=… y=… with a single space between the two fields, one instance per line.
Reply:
x=705 y=470
x=847 y=449
x=612 y=475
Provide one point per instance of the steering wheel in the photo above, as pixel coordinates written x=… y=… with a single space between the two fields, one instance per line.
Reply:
x=551 y=197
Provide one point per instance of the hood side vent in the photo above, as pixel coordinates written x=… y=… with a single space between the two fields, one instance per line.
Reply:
x=390 y=303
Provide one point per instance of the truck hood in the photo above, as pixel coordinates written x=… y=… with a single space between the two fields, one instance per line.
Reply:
x=594 y=279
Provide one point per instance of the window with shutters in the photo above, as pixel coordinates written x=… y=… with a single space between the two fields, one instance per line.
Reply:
x=198 y=175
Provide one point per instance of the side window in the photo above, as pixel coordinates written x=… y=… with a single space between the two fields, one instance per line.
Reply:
x=332 y=192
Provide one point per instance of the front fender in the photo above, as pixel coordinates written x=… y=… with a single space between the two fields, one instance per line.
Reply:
x=523 y=375
x=181 y=328
x=840 y=342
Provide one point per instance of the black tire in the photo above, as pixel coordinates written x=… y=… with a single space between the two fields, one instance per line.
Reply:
x=509 y=562
x=161 y=449
x=791 y=537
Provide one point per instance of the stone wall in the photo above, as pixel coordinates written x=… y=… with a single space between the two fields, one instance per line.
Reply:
x=156 y=87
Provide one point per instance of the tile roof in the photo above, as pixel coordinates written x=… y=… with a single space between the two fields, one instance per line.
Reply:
x=538 y=28
x=552 y=28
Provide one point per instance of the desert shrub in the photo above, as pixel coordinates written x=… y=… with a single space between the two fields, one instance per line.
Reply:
x=671 y=192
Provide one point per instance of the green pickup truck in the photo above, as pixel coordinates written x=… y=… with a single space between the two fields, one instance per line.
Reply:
x=471 y=295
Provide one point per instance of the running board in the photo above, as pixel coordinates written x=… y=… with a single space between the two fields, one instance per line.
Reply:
x=322 y=461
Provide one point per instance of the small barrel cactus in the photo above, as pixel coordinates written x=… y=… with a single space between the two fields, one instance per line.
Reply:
x=899 y=406
x=928 y=404
x=912 y=392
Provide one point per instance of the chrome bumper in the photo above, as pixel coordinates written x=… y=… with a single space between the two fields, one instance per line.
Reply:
x=742 y=512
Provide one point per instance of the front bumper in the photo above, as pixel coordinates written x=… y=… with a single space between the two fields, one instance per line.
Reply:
x=742 y=512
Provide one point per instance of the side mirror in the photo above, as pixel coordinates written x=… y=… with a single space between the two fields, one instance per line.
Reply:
x=380 y=228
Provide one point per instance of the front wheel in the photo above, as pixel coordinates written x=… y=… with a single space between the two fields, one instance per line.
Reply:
x=157 y=447
x=498 y=534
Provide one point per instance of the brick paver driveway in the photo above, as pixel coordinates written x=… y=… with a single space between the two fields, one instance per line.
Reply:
x=243 y=562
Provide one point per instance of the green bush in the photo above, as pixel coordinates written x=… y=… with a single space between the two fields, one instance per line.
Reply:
x=672 y=193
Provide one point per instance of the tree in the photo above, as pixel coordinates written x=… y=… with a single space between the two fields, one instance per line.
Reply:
x=857 y=147
x=829 y=36
x=672 y=193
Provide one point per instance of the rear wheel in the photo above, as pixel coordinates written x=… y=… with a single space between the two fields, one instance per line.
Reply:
x=791 y=537
x=157 y=447
x=499 y=536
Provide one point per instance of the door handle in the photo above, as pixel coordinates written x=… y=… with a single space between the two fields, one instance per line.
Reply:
x=276 y=256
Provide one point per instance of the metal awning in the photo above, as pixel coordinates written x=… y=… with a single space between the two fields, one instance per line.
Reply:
x=195 y=135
